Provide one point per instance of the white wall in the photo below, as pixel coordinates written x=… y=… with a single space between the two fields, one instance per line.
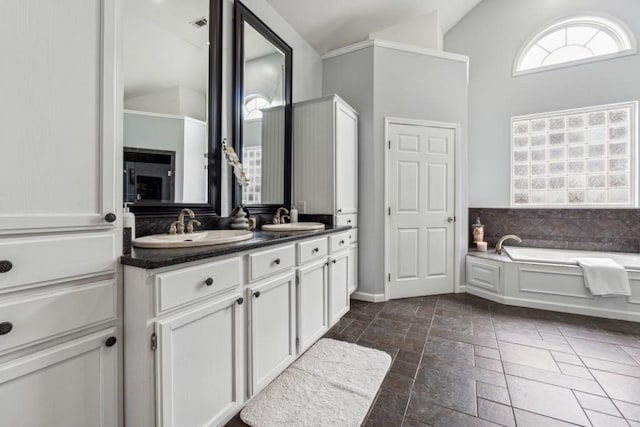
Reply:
x=423 y=31
x=379 y=82
x=491 y=35
x=175 y=100
x=307 y=71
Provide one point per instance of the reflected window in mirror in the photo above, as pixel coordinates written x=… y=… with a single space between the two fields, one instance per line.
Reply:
x=262 y=113
x=172 y=85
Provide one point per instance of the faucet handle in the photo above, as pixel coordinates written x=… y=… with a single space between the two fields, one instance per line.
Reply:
x=191 y=223
x=176 y=227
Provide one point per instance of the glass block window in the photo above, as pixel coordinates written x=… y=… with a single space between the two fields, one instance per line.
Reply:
x=582 y=157
x=252 y=162
x=575 y=40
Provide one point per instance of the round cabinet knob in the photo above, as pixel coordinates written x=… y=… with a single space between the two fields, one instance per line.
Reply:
x=5 y=266
x=333 y=261
x=348 y=221
x=315 y=250
x=209 y=281
x=240 y=301
x=342 y=242
x=5 y=328
x=111 y=341
x=277 y=261
x=450 y=219
x=256 y=294
x=110 y=217
x=339 y=210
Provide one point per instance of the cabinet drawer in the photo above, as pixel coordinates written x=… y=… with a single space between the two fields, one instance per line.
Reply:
x=265 y=263
x=483 y=274
x=353 y=235
x=351 y=220
x=187 y=285
x=42 y=315
x=338 y=242
x=57 y=257
x=312 y=249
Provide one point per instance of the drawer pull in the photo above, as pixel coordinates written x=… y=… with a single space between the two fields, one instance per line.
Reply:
x=5 y=328
x=5 y=266
x=110 y=217
x=240 y=301
x=111 y=341
x=256 y=294
x=209 y=281
x=315 y=250
x=277 y=261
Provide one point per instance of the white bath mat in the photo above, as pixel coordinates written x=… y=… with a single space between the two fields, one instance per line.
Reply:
x=332 y=384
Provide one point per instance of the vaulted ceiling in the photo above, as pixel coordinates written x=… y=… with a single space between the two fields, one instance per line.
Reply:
x=330 y=24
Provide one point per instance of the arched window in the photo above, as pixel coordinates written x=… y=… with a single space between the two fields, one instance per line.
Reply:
x=575 y=40
x=253 y=105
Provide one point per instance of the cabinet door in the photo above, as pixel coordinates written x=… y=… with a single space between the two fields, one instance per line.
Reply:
x=313 y=307
x=200 y=365
x=72 y=385
x=338 y=286
x=273 y=324
x=58 y=113
x=353 y=268
x=346 y=160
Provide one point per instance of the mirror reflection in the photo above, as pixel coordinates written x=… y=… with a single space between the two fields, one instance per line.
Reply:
x=165 y=72
x=263 y=119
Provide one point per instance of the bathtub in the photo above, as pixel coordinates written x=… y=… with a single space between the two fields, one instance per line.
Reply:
x=550 y=279
x=562 y=256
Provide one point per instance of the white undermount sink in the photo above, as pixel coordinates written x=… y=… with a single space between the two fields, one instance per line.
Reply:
x=294 y=226
x=189 y=240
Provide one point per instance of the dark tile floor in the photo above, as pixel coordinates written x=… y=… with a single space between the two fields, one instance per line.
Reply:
x=459 y=360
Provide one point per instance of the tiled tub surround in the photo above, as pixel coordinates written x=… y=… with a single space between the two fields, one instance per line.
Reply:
x=548 y=284
x=459 y=360
x=610 y=230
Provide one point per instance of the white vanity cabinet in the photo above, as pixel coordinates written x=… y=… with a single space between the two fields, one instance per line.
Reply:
x=203 y=337
x=272 y=328
x=200 y=363
x=325 y=135
x=60 y=227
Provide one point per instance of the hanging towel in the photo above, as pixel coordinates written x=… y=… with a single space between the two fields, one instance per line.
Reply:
x=604 y=276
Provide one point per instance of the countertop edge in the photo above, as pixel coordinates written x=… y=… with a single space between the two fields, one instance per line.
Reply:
x=150 y=259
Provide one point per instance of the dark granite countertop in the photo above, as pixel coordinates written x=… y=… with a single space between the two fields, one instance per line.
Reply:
x=156 y=258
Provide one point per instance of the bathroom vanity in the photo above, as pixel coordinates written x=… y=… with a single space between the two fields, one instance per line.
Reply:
x=208 y=328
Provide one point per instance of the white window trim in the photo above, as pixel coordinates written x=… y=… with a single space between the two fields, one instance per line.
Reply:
x=633 y=146
x=583 y=18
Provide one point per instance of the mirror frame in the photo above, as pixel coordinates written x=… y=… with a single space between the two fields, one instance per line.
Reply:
x=214 y=132
x=241 y=15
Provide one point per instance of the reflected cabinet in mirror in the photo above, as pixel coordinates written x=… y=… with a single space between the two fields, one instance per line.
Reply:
x=172 y=101
x=262 y=113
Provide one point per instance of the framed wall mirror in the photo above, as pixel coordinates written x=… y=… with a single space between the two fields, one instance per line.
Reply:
x=262 y=113
x=172 y=73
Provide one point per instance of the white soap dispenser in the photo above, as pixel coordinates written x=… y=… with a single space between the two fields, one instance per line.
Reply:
x=129 y=220
x=293 y=214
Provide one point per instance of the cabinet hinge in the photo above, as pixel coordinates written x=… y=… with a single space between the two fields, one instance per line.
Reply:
x=297 y=344
x=389 y=210
x=389 y=277
x=389 y=144
x=297 y=280
x=154 y=342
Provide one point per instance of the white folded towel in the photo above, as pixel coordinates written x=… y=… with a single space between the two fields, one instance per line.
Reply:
x=604 y=276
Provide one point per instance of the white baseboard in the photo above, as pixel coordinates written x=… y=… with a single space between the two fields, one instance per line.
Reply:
x=365 y=296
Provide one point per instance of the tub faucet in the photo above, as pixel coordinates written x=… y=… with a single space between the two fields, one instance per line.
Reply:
x=503 y=238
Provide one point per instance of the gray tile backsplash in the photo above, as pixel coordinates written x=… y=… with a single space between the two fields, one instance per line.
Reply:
x=613 y=230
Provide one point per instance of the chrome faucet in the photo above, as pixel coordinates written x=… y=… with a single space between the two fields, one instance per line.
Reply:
x=178 y=226
x=502 y=240
x=279 y=218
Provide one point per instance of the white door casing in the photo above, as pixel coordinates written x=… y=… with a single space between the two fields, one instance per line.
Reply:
x=420 y=190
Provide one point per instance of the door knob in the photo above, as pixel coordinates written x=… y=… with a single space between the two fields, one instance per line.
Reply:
x=110 y=217
x=111 y=341
x=256 y=294
x=5 y=328
x=240 y=301
x=5 y=266
x=451 y=219
x=209 y=281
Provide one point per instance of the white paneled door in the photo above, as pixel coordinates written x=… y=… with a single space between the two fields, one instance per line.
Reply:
x=420 y=196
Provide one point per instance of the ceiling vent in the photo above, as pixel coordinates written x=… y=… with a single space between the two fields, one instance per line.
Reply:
x=200 y=22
